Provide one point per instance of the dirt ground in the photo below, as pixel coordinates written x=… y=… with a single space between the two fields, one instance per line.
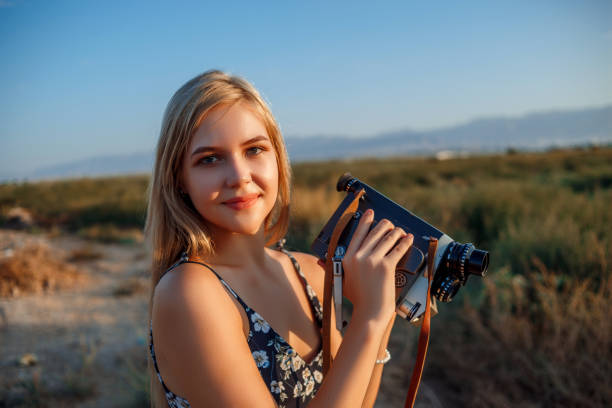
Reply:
x=88 y=342
x=85 y=346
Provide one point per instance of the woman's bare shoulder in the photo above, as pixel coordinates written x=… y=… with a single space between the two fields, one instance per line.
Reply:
x=312 y=270
x=187 y=285
x=183 y=276
x=199 y=341
x=308 y=260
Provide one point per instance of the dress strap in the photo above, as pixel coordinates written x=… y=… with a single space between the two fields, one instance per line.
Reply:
x=185 y=259
x=314 y=301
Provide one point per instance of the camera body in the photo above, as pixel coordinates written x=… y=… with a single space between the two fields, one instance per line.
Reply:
x=453 y=264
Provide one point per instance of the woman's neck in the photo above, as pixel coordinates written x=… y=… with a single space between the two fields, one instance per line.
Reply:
x=239 y=251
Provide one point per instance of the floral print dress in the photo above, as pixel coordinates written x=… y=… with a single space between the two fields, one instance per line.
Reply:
x=292 y=381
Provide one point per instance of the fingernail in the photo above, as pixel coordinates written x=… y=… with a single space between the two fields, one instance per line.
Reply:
x=369 y=211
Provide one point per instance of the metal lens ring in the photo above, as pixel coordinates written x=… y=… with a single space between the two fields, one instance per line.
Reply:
x=447 y=289
x=467 y=248
x=456 y=258
x=350 y=183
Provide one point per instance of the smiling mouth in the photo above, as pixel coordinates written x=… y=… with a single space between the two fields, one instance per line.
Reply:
x=240 y=203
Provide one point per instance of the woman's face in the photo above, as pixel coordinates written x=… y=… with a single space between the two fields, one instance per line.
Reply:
x=230 y=170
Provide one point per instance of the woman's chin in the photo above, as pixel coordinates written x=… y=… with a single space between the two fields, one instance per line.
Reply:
x=248 y=230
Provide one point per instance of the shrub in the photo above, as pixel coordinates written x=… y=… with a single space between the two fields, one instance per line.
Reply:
x=538 y=340
x=34 y=268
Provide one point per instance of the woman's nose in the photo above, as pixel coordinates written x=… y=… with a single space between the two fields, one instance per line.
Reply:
x=238 y=172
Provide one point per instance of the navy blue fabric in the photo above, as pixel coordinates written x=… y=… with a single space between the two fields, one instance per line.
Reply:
x=292 y=381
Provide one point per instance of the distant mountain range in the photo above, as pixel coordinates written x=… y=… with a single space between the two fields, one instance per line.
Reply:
x=536 y=131
x=98 y=166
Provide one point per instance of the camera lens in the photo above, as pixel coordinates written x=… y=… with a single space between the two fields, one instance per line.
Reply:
x=458 y=262
x=478 y=262
x=446 y=288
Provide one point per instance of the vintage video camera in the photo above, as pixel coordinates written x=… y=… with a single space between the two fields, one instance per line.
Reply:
x=453 y=264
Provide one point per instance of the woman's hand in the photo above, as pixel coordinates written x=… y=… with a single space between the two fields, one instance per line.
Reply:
x=369 y=264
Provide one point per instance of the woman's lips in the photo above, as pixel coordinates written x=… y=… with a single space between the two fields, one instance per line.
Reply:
x=240 y=203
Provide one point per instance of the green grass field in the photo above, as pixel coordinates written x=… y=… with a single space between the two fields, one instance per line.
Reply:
x=535 y=332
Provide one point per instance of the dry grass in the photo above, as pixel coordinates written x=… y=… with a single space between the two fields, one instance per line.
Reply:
x=84 y=254
x=131 y=286
x=34 y=268
x=109 y=233
x=136 y=377
x=310 y=210
x=538 y=340
x=38 y=388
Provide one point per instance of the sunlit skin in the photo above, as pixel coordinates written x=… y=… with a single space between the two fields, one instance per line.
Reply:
x=231 y=157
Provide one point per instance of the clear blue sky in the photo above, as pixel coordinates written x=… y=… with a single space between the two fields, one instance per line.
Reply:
x=86 y=78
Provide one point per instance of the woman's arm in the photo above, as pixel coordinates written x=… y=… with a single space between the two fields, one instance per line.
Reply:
x=369 y=265
x=200 y=346
x=314 y=271
x=374 y=384
x=360 y=347
x=315 y=274
x=203 y=356
x=346 y=382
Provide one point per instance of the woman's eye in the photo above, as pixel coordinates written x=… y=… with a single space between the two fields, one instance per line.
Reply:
x=209 y=159
x=255 y=150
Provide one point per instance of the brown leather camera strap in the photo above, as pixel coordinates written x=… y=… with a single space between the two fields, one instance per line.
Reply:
x=329 y=267
x=417 y=371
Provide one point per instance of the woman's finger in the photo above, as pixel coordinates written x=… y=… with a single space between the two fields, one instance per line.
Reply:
x=388 y=241
x=375 y=235
x=403 y=245
x=362 y=229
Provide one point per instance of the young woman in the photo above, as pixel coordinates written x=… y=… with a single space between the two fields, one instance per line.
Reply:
x=235 y=322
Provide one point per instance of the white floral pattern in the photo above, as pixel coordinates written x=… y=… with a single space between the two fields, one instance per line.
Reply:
x=310 y=291
x=306 y=375
x=297 y=362
x=310 y=384
x=259 y=324
x=292 y=381
x=284 y=361
x=297 y=390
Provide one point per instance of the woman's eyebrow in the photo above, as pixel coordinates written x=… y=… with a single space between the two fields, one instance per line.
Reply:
x=201 y=149
x=255 y=139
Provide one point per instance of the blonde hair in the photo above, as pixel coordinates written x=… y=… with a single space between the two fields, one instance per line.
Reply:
x=172 y=224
